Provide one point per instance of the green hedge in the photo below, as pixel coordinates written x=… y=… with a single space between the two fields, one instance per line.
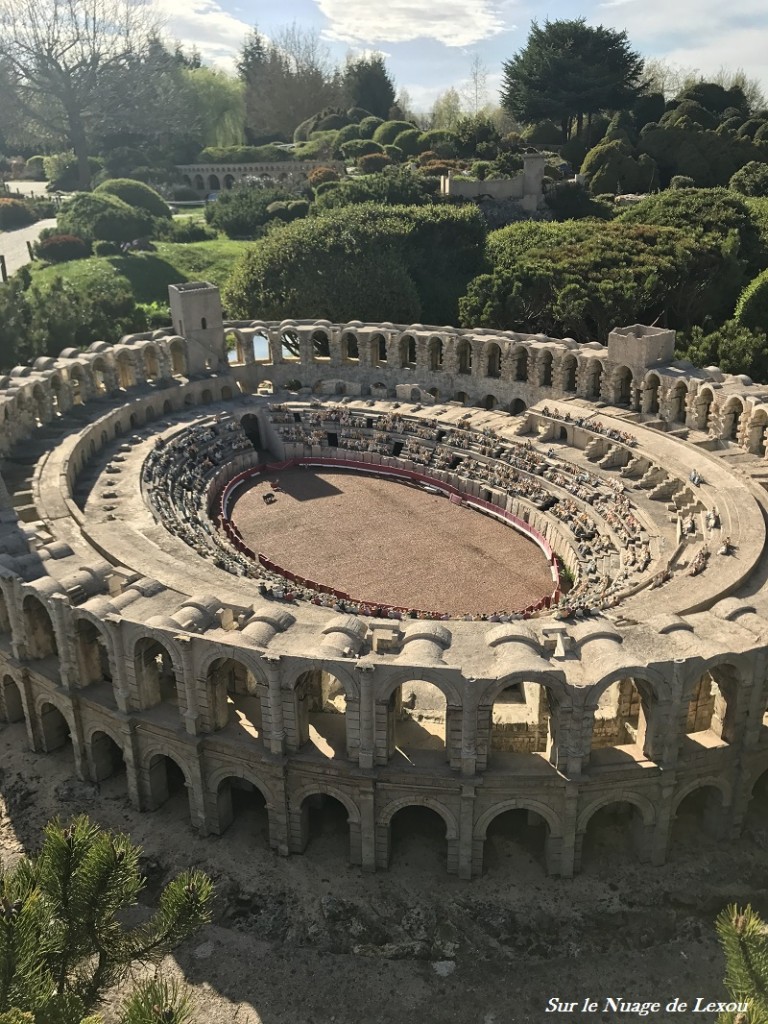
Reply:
x=93 y=217
x=136 y=194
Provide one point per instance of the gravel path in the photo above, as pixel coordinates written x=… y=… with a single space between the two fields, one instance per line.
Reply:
x=385 y=542
x=13 y=244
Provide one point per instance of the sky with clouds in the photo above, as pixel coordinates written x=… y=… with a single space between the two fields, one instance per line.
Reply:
x=430 y=45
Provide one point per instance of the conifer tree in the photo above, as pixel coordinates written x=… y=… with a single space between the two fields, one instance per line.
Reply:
x=62 y=944
x=744 y=938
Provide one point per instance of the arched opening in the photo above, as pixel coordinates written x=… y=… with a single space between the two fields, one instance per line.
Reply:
x=99 y=373
x=290 y=351
x=151 y=363
x=324 y=824
x=54 y=728
x=93 y=657
x=321 y=348
x=407 y=352
x=757 y=808
x=460 y=396
x=213 y=183
x=464 y=356
x=199 y=183
x=5 y=619
x=593 y=379
x=517 y=406
x=615 y=835
x=250 y=426
x=55 y=384
x=321 y=707
x=134 y=420
x=623 y=386
x=38 y=628
x=378 y=350
x=350 y=349
x=415 y=395
x=699 y=817
x=242 y=811
x=520 y=364
x=12 y=702
x=76 y=386
x=545 y=369
x=520 y=719
x=711 y=719
x=490 y=402
x=515 y=844
x=229 y=181
x=651 y=394
x=732 y=413
x=415 y=722
x=493 y=361
x=676 y=402
x=418 y=839
x=234 y=699
x=435 y=392
x=569 y=370
x=207 y=396
x=756 y=433
x=167 y=408
x=233 y=341
x=435 y=354
x=125 y=374
x=621 y=717
x=149 y=413
x=155 y=675
x=107 y=762
x=168 y=786
x=40 y=405
x=703 y=407
x=178 y=358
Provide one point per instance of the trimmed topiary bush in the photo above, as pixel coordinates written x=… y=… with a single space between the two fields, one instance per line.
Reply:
x=387 y=132
x=185 y=229
x=373 y=163
x=410 y=142
x=298 y=208
x=105 y=248
x=63 y=173
x=682 y=181
x=751 y=180
x=356 y=148
x=62 y=249
x=368 y=126
x=136 y=194
x=440 y=141
x=395 y=154
x=92 y=216
x=347 y=133
x=319 y=175
x=15 y=214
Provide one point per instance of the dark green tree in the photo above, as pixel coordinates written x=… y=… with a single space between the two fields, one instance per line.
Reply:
x=744 y=938
x=569 y=71
x=62 y=943
x=368 y=84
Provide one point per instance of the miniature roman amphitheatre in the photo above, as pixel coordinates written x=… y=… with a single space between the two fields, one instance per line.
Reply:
x=378 y=573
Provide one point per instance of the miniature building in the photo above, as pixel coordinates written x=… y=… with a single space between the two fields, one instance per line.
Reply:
x=137 y=625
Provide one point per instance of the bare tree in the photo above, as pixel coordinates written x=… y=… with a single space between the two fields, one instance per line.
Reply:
x=68 y=59
x=475 y=93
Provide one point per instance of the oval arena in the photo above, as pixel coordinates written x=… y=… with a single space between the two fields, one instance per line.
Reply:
x=606 y=669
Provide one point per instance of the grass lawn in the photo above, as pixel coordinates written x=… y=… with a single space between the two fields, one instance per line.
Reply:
x=150 y=273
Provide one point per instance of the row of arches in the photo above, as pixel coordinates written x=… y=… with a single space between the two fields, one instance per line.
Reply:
x=418 y=832
x=416 y=722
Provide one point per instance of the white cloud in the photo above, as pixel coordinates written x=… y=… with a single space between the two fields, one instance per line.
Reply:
x=205 y=25
x=453 y=22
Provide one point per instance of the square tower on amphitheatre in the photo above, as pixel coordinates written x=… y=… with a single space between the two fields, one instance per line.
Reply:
x=197 y=317
x=639 y=346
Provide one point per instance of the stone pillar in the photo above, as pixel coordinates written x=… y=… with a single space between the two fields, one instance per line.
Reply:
x=16 y=617
x=571 y=841
x=64 y=628
x=658 y=842
x=120 y=683
x=78 y=741
x=367 y=803
x=275 y=741
x=469 y=755
x=190 y=714
x=466 y=828
x=27 y=702
x=367 y=715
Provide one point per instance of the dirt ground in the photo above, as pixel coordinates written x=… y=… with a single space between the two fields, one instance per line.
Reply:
x=310 y=940
x=385 y=542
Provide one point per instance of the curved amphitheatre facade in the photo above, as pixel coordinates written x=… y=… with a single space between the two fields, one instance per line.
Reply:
x=136 y=624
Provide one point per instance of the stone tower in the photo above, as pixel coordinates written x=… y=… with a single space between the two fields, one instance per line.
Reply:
x=196 y=315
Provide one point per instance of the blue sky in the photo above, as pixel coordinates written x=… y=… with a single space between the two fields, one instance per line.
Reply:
x=430 y=44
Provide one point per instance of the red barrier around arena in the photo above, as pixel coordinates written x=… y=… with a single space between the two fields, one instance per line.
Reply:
x=226 y=497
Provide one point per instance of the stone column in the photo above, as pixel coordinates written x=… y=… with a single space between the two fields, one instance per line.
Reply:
x=466 y=828
x=570 y=844
x=120 y=683
x=658 y=842
x=276 y=738
x=366 y=801
x=64 y=629
x=191 y=714
x=16 y=617
x=28 y=704
x=367 y=715
x=469 y=738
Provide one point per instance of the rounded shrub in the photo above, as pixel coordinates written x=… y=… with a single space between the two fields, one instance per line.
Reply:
x=298 y=208
x=332 y=122
x=93 y=216
x=347 y=133
x=368 y=126
x=62 y=249
x=326 y=186
x=751 y=179
x=682 y=181
x=410 y=142
x=319 y=175
x=356 y=148
x=357 y=114
x=105 y=248
x=373 y=163
x=136 y=194
x=387 y=132
x=278 y=211
x=15 y=214
x=440 y=141
x=185 y=229
x=64 y=174
x=35 y=168
x=395 y=154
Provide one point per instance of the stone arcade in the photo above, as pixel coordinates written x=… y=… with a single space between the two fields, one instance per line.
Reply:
x=132 y=623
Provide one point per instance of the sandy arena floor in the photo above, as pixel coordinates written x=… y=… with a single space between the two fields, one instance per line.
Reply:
x=385 y=542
